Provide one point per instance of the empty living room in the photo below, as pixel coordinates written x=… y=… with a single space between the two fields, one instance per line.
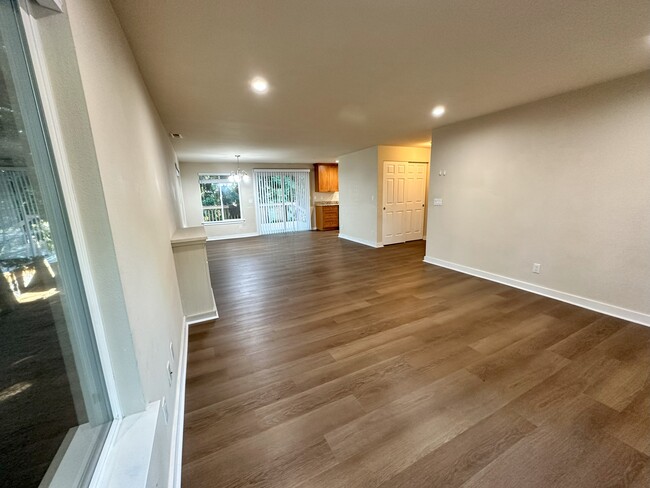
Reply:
x=314 y=244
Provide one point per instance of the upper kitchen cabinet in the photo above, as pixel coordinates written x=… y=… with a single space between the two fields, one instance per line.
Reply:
x=327 y=177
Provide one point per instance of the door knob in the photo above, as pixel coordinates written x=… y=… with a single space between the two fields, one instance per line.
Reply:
x=384 y=208
x=423 y=204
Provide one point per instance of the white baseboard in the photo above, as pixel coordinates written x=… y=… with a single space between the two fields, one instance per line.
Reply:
x=197 y=318
x=176 y=456
x=202 y=317
x=360 y=241
x=605 y=308
x=233 y=236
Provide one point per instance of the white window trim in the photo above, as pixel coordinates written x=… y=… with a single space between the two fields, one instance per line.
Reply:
x=34 y=43
x=226 y=221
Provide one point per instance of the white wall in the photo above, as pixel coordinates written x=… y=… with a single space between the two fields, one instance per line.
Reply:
x=142 y=197
x=192 y=196
x=358 y=196
x=564 y=182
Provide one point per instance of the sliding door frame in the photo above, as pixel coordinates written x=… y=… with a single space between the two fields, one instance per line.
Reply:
x=306 y=196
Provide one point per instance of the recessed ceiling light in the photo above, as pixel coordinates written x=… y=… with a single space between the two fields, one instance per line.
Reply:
x=438 y=111
x=259 y=85
x=337 y=160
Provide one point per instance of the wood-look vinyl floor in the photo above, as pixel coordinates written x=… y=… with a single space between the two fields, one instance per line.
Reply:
x=335 y=364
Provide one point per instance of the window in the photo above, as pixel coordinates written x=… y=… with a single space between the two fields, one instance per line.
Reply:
x=219 y=198
x=53 y=397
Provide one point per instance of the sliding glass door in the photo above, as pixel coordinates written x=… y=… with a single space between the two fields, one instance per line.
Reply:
x=52 y=392
x=282 y=200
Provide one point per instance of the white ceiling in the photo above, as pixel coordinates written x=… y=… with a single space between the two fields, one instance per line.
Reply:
x=348 y=74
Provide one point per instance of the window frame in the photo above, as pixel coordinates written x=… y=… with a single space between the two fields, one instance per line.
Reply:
x=66 y=474
x=221 y=179
x=60 y=166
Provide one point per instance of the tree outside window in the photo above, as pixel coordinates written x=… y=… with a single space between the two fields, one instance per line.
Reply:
x=219 y=198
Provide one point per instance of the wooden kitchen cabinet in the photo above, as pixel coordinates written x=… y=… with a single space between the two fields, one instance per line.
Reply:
x=327 y=217
x=326 y=177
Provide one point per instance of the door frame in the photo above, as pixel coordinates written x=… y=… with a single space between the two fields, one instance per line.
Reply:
x=380 y=203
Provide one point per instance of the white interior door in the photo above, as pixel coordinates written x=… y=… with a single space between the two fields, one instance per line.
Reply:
x=394 y=202
x=416 y=185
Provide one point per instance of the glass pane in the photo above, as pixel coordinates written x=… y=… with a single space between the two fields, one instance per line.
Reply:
x=274 y=190
x=276 y=213
x=213 y=178
x=230 y=196
x=51 y=387
x=289 y=189
x=212 y=215
x=210 y=195
x=291 y=213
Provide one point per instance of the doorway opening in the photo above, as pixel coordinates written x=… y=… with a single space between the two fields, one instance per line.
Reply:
x=404 y=201
x=282 y=200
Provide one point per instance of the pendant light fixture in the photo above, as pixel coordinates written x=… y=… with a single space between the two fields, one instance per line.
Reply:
x=239 y=175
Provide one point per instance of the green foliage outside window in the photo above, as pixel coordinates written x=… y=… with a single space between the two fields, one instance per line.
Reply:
x=273 y=193
x=219 y=198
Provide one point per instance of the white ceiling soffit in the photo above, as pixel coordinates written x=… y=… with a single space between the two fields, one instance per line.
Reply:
x=348 y=74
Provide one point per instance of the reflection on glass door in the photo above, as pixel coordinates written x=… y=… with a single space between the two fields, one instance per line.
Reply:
x=282 y=200
x=52 y=392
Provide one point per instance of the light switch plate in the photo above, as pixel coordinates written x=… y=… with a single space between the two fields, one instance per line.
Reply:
x=437 y=202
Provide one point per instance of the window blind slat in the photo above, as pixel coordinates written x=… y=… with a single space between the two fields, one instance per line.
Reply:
x=282 y=200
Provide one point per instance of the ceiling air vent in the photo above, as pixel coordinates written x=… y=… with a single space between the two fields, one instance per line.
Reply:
x=175 y=135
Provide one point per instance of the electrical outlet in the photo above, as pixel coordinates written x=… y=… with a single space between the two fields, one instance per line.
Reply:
x=170 y=373
x=165 y=411
x=537 y=268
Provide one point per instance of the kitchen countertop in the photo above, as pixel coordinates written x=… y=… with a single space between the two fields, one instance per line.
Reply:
x=326 y=204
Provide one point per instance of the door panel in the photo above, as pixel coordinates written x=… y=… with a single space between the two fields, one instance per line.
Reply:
x=404 y=186
x=416 y=182
x=394 y=202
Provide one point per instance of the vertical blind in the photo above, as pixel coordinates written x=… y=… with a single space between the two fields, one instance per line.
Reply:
x=22 y=232
x=282 y=200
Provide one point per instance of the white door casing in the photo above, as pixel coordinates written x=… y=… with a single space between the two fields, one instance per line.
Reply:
x=403 y=205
